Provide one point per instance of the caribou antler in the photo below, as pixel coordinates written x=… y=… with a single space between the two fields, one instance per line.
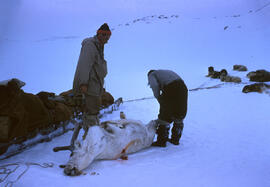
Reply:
x=70 y=147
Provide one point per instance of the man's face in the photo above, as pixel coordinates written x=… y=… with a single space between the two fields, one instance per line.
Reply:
x=103 y=37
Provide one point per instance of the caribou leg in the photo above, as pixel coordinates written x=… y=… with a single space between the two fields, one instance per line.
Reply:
x=75 y=133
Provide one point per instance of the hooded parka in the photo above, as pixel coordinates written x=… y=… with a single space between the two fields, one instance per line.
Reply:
x=91 y=68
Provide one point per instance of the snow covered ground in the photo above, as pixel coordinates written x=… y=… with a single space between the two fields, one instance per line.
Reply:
x=225 y=140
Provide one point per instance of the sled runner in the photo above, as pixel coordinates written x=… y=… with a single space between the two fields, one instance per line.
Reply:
x=27 y=119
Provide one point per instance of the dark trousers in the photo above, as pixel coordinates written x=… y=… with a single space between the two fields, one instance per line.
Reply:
x=92 y=105
x=173 y=101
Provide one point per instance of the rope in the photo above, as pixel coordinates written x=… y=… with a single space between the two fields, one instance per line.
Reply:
x=4 y=170
x=144 y=98
x=208 y=87
x=262 y=7
x=191 y=90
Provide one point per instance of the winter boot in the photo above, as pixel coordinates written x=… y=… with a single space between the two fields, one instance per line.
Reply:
x=162 y=135
x=177 y=131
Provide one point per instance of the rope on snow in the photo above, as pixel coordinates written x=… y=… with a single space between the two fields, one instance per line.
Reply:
x=194 y=89
x=4 y=170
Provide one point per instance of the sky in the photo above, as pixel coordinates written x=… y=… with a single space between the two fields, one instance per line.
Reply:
x=224 y=141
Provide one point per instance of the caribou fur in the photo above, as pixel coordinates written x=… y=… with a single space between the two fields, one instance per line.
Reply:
x=110 y=140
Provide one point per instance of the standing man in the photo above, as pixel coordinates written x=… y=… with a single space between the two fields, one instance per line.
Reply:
x=90 y=73
x=171 y=92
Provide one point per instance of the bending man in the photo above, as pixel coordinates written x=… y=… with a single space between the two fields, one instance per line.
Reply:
x=171 y=92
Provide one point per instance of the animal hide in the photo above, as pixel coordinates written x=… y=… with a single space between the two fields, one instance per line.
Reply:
x=106 y=98
x=239 y=68
x=18 y=82
x=257 y=87
x=230 y=79
x=259 y=76
x=110 y=140
x=25 y=111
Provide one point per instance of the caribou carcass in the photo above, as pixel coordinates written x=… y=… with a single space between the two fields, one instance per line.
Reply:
x=110 y=140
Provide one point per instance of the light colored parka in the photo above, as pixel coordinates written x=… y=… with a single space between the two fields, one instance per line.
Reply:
x=91 y=68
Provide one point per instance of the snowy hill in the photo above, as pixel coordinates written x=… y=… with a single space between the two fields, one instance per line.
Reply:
x=225 y=140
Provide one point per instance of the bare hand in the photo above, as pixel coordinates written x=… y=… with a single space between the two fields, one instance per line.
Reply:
x=83 y=89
